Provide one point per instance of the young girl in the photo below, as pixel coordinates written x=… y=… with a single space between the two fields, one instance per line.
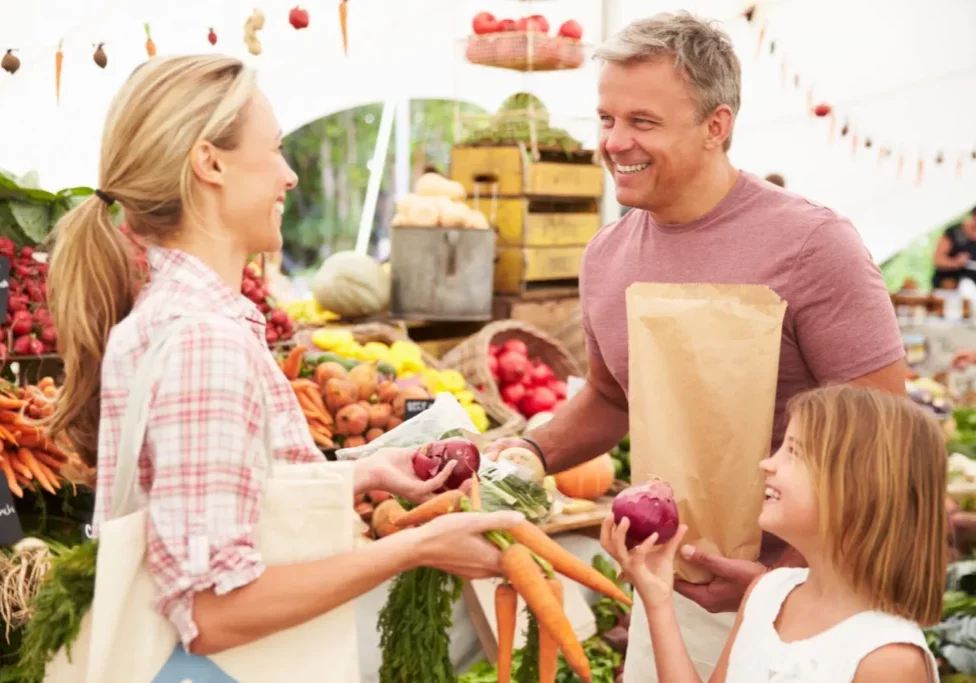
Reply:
x=858 y=489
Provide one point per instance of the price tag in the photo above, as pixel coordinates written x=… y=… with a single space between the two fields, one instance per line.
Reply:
x=414 y=406
x=4 y=287
x=10 y=529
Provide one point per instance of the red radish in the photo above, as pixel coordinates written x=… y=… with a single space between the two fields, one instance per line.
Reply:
x=516 y=345
x=37 y=347
x=431 y=458
x=493 y=367
x=507 y=25
x=298 y=17
x=26 y=252
x=17 y=302
x=571 y=29
x=538 y=400
x=822 y=109
x=484 y=23
x=7 y=247
x=650 y=507
x=279 y=317
x=22 y=323
x=558 y=387
x=511 y=366
x=49 y=335
x=513 y=393
x=22 y=346
x=212 y=37
x=270 y=335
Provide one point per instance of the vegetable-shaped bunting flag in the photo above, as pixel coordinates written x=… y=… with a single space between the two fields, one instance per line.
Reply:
x=343 y=24
x=150 y=45
x=58 y=64
x=100 y=57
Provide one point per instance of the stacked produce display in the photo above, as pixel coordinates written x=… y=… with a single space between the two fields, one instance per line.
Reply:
x=527 y=385
x=524 y=44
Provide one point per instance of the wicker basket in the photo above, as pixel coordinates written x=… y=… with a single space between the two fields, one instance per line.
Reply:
x=525 y=52
x=471 y=356
x=572 y=336
x=506 y=423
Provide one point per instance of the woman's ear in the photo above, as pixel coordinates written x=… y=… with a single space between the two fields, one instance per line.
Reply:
x=206 y=163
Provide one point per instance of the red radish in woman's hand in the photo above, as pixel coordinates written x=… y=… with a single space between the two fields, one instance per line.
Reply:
x=651 y=509
x=430 y=459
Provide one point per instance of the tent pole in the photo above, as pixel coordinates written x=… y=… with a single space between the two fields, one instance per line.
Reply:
x=375 y=176
x=402 y=156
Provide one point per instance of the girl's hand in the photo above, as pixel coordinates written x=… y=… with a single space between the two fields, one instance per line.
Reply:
x=391 y=470
x=648 y=566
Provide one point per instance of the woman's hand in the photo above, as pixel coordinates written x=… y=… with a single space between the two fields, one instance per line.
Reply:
x=455 y=543
x=648 y=566
x=391 y=470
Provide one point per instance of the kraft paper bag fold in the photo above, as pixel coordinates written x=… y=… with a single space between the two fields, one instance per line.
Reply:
x=704 y=361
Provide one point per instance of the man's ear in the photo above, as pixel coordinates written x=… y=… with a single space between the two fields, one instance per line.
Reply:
x=718 y=127
x=206 y=164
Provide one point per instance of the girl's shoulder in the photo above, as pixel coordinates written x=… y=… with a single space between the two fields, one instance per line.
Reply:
x=770 y=590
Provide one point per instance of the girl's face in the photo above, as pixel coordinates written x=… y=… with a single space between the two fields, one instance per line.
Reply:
x=790 y=510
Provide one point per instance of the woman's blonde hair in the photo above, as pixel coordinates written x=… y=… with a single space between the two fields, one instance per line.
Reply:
x=879 y=467
x=165 y=107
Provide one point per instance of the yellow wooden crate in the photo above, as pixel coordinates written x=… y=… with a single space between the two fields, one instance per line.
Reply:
x=518 y=225
x=480 y=169
x=519 y=267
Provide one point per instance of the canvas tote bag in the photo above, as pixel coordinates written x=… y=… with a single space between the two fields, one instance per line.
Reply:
x=306 y=514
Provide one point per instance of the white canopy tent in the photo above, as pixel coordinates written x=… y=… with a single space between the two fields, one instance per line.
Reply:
x=905 y=74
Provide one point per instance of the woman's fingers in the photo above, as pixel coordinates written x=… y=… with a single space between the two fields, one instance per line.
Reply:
x=429 y=487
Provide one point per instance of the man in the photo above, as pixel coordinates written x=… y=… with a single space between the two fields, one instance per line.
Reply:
x=669 y=91
x=954 y=252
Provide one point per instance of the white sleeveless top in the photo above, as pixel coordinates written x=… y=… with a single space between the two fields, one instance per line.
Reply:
x=759 y=656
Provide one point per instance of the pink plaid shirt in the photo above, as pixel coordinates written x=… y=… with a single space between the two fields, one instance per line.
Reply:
x=201 y=462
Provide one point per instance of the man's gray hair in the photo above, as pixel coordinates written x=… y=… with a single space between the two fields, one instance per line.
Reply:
x=702 y=53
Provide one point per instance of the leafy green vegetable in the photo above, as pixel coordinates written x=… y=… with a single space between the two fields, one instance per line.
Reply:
x=414 y=628
x=527 y=670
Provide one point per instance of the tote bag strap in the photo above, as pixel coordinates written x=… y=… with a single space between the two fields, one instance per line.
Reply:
x=136 y=418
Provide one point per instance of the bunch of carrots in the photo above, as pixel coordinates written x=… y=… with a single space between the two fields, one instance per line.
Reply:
x=320 y=421
x=29 y=458
x=530 y=561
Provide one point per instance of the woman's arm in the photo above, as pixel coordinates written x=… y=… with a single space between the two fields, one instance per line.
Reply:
x=941 y=258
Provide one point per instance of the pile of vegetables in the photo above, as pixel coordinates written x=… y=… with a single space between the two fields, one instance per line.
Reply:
x=520 y=117
x=527 y=385
x=621 y=459
x=28 y=330
x=351 y=285
x=505 y=43
x=30 y=460
x=279 y=326
x=953 y=640
x=28 y=214
x=437 y=202
x=403 y=360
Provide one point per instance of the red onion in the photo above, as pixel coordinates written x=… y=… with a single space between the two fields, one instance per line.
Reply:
x=650 y=508
x=431 y=458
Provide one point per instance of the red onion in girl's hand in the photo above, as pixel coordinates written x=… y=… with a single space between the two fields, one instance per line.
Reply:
x=431 y=458
x=650 y=508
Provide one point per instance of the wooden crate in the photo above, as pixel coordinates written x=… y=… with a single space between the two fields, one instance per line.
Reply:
x=508 y=171
x=534 y=223
x=519 y=269
x=549 y=313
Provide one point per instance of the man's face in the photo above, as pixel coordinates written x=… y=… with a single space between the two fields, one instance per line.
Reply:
x=651 y=139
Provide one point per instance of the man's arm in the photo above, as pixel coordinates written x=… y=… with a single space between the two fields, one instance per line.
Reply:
x=890 y=378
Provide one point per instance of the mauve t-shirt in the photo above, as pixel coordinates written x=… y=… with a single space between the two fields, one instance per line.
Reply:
x=839 y=323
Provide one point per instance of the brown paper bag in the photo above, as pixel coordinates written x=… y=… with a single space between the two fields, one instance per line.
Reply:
x=704 y=361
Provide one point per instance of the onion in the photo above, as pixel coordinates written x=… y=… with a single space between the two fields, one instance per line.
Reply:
x=650 y=508
x=431 y=458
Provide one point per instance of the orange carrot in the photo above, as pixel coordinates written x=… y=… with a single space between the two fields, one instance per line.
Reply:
x=521 y=570
x=58 y=64
x=150 y=45
x=20 y=468
x=475 y=493
x=344 y=25
x=385 y=517
x=49 y=460
x=445 y=503
x=506 y=608
x=9 y=417
x=11 y=478
x=7 y=436
x=45 y=382
x=11 y=403
x=293 y=363
x=27 y=457
x=564 y=562
x=46 y=471
x=548 y=648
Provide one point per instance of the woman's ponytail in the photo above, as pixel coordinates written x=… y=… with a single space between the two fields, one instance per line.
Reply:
x=90 y=289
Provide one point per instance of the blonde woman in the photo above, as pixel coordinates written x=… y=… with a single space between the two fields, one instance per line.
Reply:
x=175 y=390
x=858 y=488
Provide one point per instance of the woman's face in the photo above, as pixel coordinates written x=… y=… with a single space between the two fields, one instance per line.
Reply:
x=790 y=510
x=256 y=179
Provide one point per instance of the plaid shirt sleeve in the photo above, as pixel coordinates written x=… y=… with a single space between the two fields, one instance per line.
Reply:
x=206 y=445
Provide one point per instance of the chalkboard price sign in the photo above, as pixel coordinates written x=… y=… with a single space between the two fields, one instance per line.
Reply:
x=414 y=406
x=10 y=529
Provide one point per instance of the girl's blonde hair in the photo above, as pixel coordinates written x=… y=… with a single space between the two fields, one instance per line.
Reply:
x=879 y=463
x=165 y=107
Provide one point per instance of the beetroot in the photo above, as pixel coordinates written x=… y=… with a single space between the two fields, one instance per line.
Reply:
x=431 y=458
x=650 y=508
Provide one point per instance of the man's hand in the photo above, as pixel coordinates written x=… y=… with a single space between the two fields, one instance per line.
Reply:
x=726 y=590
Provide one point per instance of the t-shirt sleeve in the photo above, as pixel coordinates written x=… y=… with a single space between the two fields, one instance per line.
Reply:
x=842 y=315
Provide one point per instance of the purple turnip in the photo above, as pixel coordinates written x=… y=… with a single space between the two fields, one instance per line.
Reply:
x=431 y=458
x=650 y=508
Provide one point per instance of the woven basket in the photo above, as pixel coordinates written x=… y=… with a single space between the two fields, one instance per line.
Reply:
x=500 y=415
x=471 y=356
x=572 y=336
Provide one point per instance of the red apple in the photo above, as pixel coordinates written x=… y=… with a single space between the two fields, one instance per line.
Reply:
x=513 y=393
x=484 y=23
x=516 y=345
x=511 y=367
x=571 y=29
